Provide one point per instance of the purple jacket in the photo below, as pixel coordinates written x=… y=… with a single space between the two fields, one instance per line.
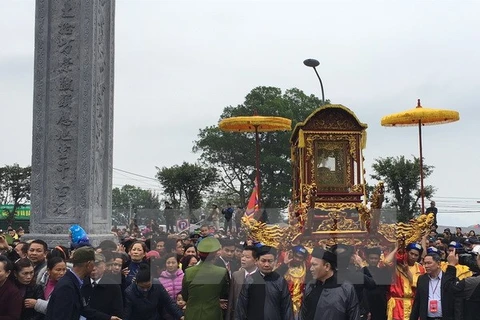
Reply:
x=172 y=282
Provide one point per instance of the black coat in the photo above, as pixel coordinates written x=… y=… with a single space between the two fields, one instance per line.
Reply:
x=361 y=279
x=106 y=296
x=264 y=298
x=467 y=289
x=336 y=300
x=66 y=300
x=133 y=267
x=150 y=306
x=32 y=292
x=377 y=298
x=420 y=304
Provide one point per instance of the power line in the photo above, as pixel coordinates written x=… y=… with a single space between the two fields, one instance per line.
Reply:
x=462 y=198
x=136 y=174
x=459 y=211
x=142 y=181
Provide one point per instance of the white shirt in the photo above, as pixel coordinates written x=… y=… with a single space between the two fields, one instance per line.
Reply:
x=250 y=273
x=227 y=266
x=96 y=281
x=435 y=293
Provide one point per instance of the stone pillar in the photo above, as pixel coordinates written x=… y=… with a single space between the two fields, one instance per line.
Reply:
x=72 y=119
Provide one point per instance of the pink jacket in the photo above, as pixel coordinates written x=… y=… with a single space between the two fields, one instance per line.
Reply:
x=172 y=282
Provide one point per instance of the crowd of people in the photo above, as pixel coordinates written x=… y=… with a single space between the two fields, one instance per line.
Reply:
x=224 y=275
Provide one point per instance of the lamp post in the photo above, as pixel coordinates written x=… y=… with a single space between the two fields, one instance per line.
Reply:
x=314 y=64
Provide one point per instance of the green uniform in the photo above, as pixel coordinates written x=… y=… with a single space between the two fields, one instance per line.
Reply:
x=202 y=288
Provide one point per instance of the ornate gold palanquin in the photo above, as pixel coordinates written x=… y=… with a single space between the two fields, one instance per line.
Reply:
x=327 y=161
x=329 y=202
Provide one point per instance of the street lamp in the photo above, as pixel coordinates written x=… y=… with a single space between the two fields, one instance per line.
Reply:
x=314 y=64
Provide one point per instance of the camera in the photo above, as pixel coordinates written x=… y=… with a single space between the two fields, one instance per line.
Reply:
x=468 y=259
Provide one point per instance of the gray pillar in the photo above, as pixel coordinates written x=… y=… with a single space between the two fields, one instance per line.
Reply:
x=72 y=119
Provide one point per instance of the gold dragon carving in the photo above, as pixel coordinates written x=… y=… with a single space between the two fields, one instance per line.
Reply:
x=284 y=237
x=409 y=232
x=269 y=235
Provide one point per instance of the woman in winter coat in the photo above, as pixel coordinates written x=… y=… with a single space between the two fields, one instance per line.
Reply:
x=137 y=253
x=25 y=282
x=172 y=277
x=147 y=299
x=10 y=297
x=56 y=268
x=188 y=261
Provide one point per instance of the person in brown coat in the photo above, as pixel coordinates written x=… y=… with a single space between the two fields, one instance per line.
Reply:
x=10 y=298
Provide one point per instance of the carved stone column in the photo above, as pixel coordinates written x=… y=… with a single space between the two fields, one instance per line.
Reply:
x=72 y=119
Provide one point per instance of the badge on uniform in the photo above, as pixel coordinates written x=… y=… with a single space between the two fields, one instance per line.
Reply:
x=433 y=306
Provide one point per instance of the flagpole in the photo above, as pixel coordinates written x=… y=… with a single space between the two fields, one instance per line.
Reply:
x=257 y=163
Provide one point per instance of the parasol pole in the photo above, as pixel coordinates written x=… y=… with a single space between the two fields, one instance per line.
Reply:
x=257 y=164
x=421 y=164
x=421 y=160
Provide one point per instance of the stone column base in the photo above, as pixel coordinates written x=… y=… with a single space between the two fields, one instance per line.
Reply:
x=64 y=239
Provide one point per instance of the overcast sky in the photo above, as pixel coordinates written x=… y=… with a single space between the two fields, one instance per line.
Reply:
x=179 y=63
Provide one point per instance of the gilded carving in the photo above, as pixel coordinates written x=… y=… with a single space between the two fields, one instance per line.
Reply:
x=270 y=235
x=334 y=206
x=357 y=188
x=337 y=221
x=370 y=217
x=345 y=198
x=332 y=119
x=415 y=228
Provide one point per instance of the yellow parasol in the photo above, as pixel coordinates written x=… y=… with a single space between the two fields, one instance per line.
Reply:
x=255 y=124
x=419 y=116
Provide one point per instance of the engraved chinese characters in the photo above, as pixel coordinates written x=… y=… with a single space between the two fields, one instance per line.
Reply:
x=66 y=108
x=73 y=116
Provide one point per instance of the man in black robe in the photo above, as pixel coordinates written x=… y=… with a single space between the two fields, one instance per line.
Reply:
x=377 y=298
x=265 y=295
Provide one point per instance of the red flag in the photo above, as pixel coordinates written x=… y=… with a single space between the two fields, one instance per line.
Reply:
x=252 y=206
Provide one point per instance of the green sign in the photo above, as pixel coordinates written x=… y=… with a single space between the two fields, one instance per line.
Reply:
x=22 y=213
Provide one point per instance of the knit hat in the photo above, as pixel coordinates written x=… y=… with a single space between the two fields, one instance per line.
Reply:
x=79 y=236
x=83 y=254
x=153 y=254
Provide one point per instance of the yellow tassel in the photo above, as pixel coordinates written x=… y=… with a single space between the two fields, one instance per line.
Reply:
x=363 y=142
x=301 y=139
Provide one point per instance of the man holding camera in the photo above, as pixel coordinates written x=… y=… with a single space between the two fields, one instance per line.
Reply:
x=462 y=269
x=467 y=289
